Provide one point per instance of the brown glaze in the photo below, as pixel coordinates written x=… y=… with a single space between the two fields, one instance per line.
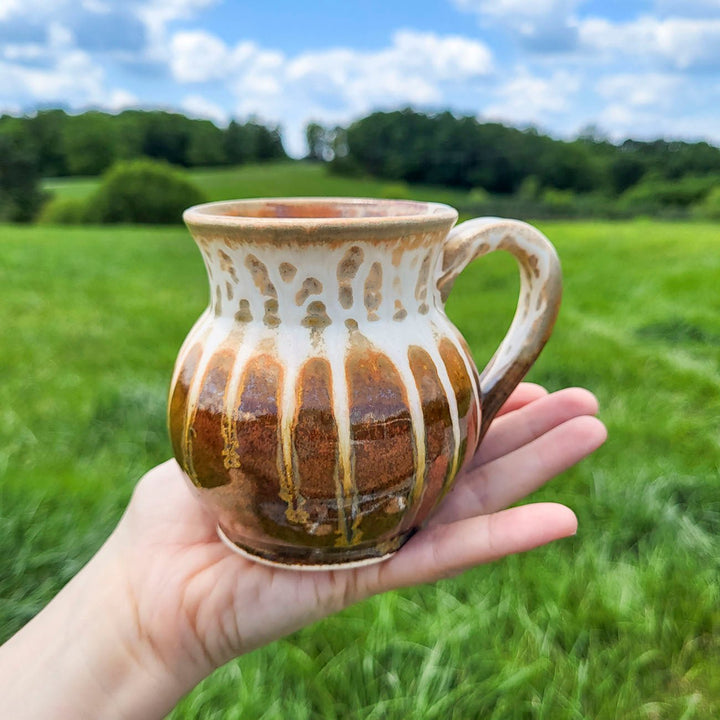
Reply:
x=260 y=276
x=255 y=442
x=373 y=290
x=315 y=447
x=243 y=314
x=422 y=281
x=474 y=418
x=439 y=440
x=227 y=265
x=271 y=317
x=317 y=316
x=346 y=272
x=177 y=409
x=205 y=445
x=310 y=286
x=287 y=271
x=462 y=387
x=315 y=437
x=256 y=420
x=382 y=437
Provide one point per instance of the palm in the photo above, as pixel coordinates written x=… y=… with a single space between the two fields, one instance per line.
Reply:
x=191 y=591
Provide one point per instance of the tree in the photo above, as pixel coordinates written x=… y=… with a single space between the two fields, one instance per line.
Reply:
x=252 y=142
x=267 y=142
x=625 y=169
x=206 y=145
x=237 y=149
x=319 y=142
x=20 y=194
x=46 y=133
x=166 y=137
x=89 y=143
x=444 y=149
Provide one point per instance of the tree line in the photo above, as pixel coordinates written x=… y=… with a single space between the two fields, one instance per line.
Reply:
x=500 y=166
x=53 y=143
x=89 y=143
x=500 y=161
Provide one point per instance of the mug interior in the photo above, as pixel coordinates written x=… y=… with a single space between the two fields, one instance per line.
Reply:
x=319 y=209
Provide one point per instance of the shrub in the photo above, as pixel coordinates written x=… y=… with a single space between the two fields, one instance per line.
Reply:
x=63 y=211
x=653 y=194
x=142 y=191
x=478 y=195
x=709 y=208
x=558 y=199
x=530 y=188
x=395 y=191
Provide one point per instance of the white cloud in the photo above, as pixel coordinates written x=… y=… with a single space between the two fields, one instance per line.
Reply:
x=336 y=83
x=173 y=9
x=519 y=10
x=688 y=8
x=679 y=33
x=200 y=107
x=154 y=16
x=641 y=90
x=531 y=99
x=30 y=9
x=624 y=121
x=119 y=99
x=57 y=72
x=543 y=25
x=260 y=73
x=447 y=56
x=651 y=105
x=63 y=71
x=72 y=79
x=682 y=43
x=414 y=69
x=197 y=56
x=9 y=8
x=23 y=52
x=158 y=13
x=101 y=7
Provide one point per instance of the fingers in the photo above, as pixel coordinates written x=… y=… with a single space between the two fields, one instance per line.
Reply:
x=164 y=505
x=531 y=420
x=445 y=550
x=512 y=477
x=523 y=394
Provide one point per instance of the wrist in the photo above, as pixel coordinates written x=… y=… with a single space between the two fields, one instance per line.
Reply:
x=84 y=655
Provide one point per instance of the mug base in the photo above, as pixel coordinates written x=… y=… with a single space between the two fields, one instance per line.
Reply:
x=311 y=560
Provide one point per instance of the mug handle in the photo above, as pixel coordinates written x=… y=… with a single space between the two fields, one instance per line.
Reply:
x=538 y=304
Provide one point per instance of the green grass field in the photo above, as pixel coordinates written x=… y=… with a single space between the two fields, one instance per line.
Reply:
x=620 y=622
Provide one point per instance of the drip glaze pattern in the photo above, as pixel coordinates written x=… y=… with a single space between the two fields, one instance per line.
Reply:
x=324 y=403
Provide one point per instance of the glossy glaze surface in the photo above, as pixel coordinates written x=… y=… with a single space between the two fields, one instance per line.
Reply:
x=323 y=404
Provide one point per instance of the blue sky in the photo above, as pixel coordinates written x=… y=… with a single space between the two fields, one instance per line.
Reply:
x=640 y=68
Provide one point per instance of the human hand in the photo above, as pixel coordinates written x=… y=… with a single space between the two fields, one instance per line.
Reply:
x=164 y=602
x=199 y=604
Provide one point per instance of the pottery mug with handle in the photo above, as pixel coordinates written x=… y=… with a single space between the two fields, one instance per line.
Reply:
x=323 y=404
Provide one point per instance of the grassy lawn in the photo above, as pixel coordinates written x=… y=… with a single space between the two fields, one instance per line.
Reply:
x=621 y=622
x=277 y=179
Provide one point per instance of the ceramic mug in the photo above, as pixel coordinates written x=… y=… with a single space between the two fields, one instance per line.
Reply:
x=323 y=404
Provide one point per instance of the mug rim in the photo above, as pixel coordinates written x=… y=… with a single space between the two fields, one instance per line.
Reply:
x=218 y=214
